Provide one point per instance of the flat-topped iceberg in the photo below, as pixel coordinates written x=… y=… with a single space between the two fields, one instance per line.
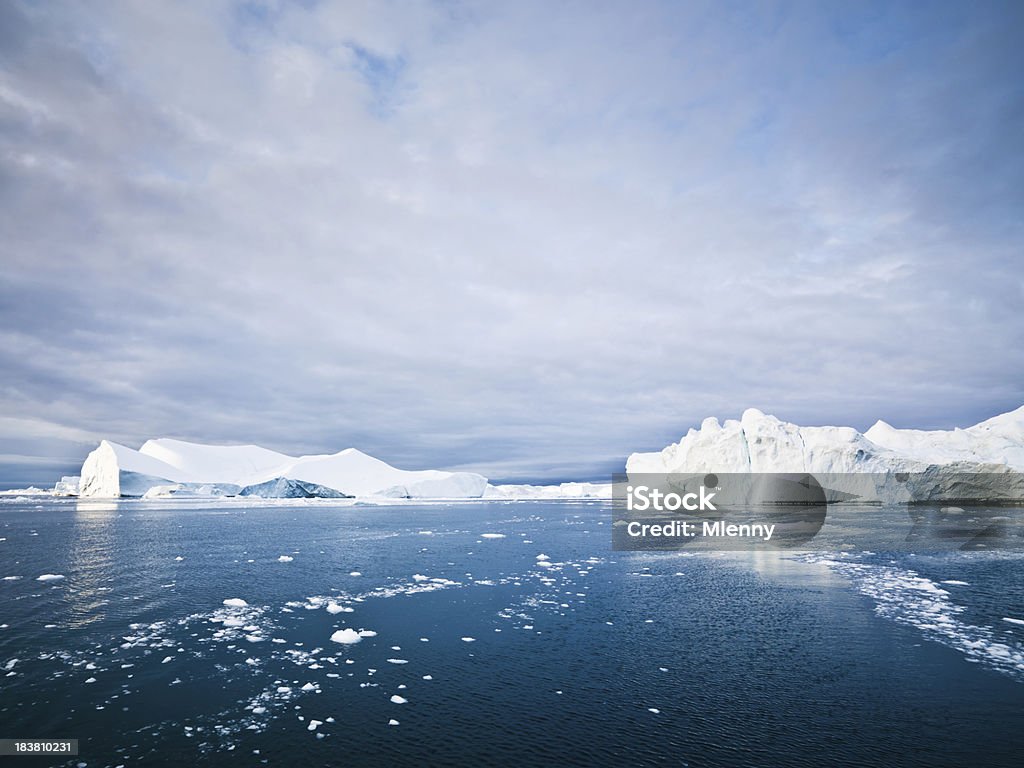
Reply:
x=166 y=467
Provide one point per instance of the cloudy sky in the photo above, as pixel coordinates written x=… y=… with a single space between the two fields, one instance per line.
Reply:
x=524 y=238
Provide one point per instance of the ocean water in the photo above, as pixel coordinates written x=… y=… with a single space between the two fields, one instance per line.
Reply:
x=492 y=634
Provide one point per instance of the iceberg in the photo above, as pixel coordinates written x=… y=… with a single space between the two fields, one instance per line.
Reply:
x=985 y=461
x=561 y=491
x=67 y=486
x=162 y=468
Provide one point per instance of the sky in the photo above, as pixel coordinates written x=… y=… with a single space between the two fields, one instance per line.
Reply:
x=522 y=238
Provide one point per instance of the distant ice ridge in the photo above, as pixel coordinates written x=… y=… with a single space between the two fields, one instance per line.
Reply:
x=761 y=443
x=167 y=467
x=562 y=491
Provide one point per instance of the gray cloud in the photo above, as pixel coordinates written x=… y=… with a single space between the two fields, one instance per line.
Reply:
x=523 y=238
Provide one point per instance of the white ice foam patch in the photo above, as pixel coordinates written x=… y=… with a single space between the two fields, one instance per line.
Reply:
x=903 y=596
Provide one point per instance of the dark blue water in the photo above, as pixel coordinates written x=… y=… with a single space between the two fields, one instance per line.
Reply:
x=586 y=657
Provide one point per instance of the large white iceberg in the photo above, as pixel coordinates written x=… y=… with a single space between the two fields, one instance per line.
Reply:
x=173 y=467
x=983 y=461
x=761 y=443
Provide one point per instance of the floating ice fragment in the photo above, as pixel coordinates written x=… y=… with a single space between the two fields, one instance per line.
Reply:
x=346 y=636
x=397 y=661
x=392 y=721
x=313 y=724
x=167 y=659
x=236 y=602
x=469 y=639
x=50 y=577
x=419 y=577
x=367 y=633
x=1013 y=621
x=355 y=573
x=285 y=559
x=654 y=711
x=396 y=699
x=492 y=535
x=309 y=687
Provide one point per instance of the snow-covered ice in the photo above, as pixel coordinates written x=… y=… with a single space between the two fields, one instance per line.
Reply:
x=346 y=636
x=174 y=467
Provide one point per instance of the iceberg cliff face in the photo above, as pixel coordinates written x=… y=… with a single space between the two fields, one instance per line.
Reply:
x=174 y=467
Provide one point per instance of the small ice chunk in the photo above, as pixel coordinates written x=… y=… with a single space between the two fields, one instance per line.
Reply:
x=355 y=573
x=428 y=677
x=542 y=556
x=347 y=636
x=285 y=559
x=654 y=710
x=51 y=577
x=367 y=633
x=419 y=577
x=235 y=602
x=492 y=535
x=91 y=680
x=333 y=608
x=396 y=699
x=313 y=724
x=178 y=559
x=469 y=639
x=397 y=661
x=284 y=689
x=392 y=721
x=309 y=687
x=1013 y=621
x=167 y=659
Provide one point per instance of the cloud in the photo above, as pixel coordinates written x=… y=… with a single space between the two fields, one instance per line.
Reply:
x=518 y=237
